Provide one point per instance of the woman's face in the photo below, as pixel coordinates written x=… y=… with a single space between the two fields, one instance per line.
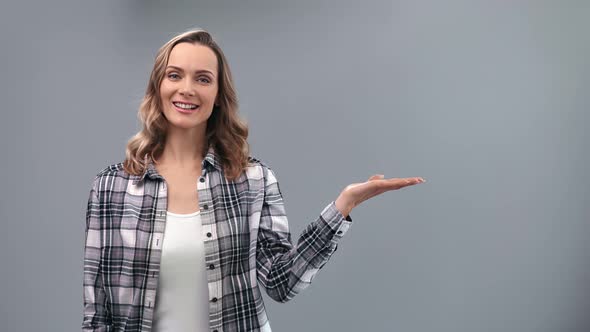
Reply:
x=189 y=87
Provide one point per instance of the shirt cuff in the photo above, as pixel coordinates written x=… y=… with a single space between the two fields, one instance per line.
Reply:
x=336 y=221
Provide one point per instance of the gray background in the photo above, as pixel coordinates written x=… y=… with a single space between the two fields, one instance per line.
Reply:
x=487 y=100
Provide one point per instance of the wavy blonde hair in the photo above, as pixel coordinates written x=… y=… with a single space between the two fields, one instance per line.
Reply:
x=226 y=131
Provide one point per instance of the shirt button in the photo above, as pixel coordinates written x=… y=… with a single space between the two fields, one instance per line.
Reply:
x=202 y=179
x=214 y=300
x=339 y=232
x=211 y=267
x=209 y=234
x=205 y=207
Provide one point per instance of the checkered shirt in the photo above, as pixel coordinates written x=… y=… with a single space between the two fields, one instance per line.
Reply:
x=246 y=239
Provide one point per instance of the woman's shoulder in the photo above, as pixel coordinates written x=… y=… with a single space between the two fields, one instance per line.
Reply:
x=112 y=172
x=255 y=161
x=261 y=170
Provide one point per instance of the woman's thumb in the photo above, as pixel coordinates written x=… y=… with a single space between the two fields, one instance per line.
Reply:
x=376 y=177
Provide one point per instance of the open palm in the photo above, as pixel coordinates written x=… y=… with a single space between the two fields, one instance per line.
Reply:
x=356 y=193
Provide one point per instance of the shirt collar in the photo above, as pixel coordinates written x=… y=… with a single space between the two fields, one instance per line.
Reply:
x=211 y=158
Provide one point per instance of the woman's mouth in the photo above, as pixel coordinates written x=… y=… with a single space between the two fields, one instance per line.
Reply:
x=185 y=108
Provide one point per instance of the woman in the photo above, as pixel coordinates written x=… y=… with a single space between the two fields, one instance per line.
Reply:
x=182 y=235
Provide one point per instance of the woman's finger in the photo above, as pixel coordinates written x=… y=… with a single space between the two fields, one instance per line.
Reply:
x=376 y=177
x=396 y=183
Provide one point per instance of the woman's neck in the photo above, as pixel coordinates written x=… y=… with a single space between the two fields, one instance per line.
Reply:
x=184 y=148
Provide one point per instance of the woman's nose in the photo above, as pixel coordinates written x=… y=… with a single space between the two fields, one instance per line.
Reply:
x=187 y=88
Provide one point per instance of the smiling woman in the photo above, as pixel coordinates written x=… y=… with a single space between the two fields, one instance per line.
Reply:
x=190 y=69
x=188 y=91
x=184 y=234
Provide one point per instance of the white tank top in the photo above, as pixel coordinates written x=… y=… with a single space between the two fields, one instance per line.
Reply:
x=182 y=302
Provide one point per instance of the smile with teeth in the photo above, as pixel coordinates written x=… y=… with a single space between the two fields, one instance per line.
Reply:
x=185 y=106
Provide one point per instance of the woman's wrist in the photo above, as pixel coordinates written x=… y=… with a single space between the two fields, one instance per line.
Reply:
x=343 y=206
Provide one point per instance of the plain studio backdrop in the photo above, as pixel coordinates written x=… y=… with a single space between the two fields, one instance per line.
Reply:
x=487 y=100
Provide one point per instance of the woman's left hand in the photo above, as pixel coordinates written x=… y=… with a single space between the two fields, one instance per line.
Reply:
x=356 y=193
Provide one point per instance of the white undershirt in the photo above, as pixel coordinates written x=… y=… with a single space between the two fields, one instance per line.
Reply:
x=182 y=297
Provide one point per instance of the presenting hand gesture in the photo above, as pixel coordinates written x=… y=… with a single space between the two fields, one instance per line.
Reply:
x=356 y=193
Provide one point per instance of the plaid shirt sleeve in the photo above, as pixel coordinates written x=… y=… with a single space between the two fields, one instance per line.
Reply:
x=95 y=306
x=284 y=269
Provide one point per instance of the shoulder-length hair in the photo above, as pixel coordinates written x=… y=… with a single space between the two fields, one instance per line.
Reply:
x=226 y=132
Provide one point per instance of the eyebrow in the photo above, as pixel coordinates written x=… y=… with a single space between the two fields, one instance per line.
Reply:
x=196 y=72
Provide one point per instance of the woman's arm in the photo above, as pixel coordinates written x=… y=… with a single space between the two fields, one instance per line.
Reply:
x=283 y=269
x=96 y=316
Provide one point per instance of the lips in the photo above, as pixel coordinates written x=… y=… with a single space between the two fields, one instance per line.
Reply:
x=184 y=104
x=184 y=107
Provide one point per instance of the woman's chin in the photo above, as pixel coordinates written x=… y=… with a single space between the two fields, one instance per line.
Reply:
x=186 y=125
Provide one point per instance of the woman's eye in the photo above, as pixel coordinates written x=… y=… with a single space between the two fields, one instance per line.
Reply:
x=173 y=76
x=204 y=79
